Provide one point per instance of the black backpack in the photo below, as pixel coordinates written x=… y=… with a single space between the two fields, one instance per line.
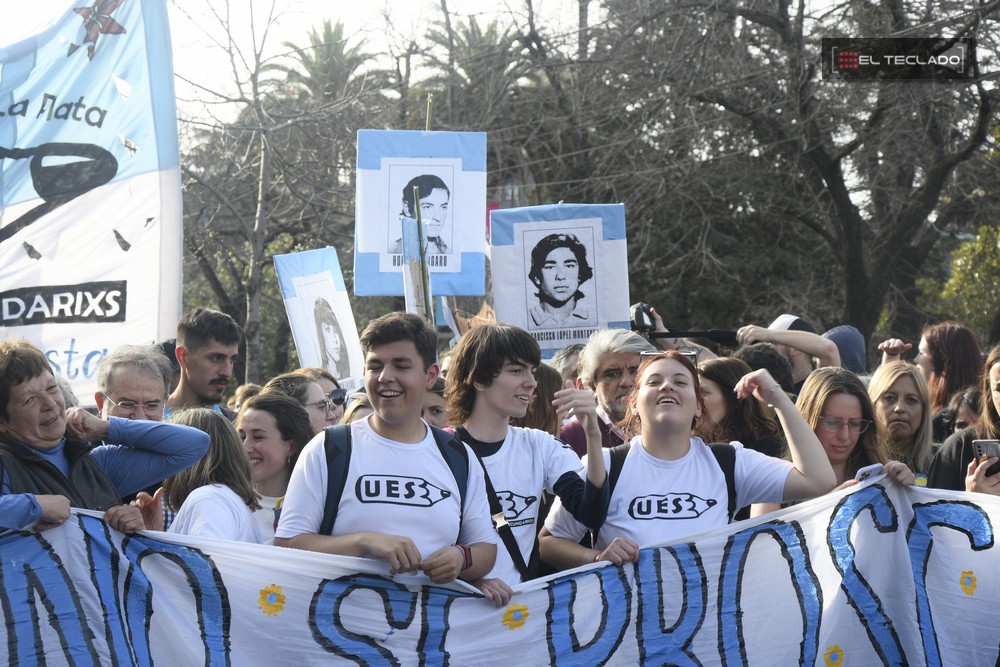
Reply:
x=338 y=456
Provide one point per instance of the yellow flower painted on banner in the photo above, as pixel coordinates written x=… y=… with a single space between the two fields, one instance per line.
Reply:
x=968 y=582
x=515 y=617
x=271 y=600
x=920 y=481
x=833 y=657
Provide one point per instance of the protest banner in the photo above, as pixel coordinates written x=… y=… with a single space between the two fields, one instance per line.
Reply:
x=320 y=314
x=90 y=242
x=880 y=574
x=560 y=271
x=449 y=171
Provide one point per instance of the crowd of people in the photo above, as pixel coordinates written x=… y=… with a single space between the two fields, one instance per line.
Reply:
x=491 y=466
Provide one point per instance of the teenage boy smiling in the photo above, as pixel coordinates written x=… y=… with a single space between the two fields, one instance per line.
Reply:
x=491 y=380
x=443 y=531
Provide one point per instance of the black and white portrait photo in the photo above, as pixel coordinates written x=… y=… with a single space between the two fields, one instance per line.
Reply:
x=435 y=200
x=560 y=267
x=448 y=170
x=332 y=346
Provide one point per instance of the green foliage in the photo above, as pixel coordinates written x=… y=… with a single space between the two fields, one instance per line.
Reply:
x=970 y=293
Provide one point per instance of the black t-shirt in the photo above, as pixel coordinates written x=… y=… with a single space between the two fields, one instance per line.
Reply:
x=952 y=461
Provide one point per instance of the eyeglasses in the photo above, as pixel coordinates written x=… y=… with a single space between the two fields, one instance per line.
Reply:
x=338 y=396
x=856 y=426
x=131 y=406
x=325 y=405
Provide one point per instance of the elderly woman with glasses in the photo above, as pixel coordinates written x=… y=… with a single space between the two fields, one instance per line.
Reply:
x=51 y=457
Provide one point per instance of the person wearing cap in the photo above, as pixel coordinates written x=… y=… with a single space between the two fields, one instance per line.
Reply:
x=798 y=341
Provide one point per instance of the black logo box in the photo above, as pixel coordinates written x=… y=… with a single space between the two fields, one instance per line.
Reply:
x=899 y=58
x=64 y=304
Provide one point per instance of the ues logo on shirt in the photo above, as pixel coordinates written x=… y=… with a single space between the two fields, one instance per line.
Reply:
x=398 y=490
x=669 y=506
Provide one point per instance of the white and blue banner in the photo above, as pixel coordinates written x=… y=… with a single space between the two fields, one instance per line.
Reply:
x=879 y=575
x=560 y=271
x=90 y=198
x=320 y=314
x=449 y=171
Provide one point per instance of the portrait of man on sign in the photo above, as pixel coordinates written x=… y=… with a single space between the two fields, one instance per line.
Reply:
x=435 y=197
x=559 y=266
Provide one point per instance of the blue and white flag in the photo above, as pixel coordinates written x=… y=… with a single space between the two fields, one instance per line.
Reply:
x=560 y=271
x=90 y=205
x=448 y=169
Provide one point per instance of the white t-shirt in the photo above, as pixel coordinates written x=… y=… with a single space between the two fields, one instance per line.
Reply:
x=391 y=488
x=215 y=511
x=528 y=461
x=656 y=501
x=265 y=517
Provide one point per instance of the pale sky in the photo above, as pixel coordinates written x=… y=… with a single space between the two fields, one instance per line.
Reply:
x=195 y=27
x=197 y=33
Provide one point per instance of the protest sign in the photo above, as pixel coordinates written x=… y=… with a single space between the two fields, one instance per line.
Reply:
x=90 y=240
x=449 y=171
x=560 y=272
x=320 y=315
x=881 y=574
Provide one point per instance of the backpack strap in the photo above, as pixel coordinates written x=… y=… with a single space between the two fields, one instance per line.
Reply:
x=337 y=443
x=500 y=520
x=618 y=455
x=455 y=455
x=725 y=455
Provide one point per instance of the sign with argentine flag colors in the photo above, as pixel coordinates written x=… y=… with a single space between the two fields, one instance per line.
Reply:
x=320 y=315
x=877 y=574
x=560 y=271
x=448 y=171
x=90 y=204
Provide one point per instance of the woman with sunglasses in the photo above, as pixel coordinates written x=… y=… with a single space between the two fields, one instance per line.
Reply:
x=309 y=394
x=330 y=387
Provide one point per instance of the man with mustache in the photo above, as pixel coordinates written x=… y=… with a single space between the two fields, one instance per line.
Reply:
x=207 y=347
x=608 y=363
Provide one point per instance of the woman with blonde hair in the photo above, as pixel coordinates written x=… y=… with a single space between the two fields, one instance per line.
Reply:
x=214 y=497
x=899 y=393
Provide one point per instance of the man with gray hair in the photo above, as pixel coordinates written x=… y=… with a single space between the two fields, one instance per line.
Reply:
x=133 y=382
x=608 y=364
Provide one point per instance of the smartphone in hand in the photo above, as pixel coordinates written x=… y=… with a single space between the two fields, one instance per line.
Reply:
x=869 y=471
x=988 y=449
